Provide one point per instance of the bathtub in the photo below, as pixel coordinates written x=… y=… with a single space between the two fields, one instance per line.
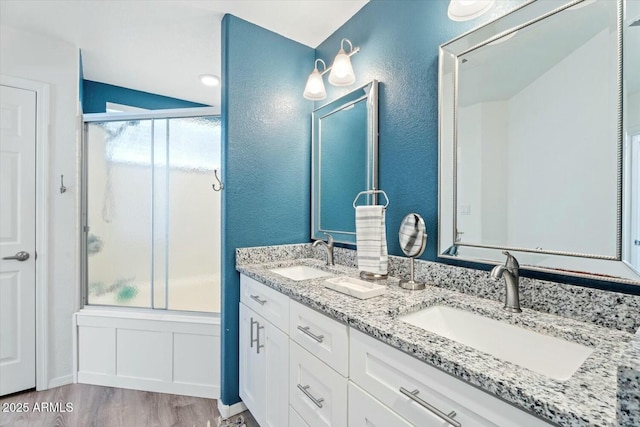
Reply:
x=153 y=350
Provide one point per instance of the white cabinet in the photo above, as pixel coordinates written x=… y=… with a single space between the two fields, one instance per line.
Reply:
x=322 y=336
x=295 y=420
x=365 y=411
x=316 y=391
x=264 y=358
x=418 y=392
x=299 y=368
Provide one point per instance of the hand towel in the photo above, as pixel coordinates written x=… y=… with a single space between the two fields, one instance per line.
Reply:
x=371 y=239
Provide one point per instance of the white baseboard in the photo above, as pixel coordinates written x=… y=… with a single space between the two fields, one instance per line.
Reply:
x=60 y=381
x=227 y=411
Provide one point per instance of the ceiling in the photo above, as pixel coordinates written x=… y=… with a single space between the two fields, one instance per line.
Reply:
x=163 y=46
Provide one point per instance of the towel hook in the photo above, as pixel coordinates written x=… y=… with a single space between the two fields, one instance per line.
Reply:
x=63 y=189
x=371 y=192
x=220 y=184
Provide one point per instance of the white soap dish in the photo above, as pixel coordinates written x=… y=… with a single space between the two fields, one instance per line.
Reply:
x=355 y=287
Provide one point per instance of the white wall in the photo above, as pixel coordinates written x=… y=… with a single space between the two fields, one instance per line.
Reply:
x=32 y=57
x=482 y=188
x=556 y=107
x=557 y=141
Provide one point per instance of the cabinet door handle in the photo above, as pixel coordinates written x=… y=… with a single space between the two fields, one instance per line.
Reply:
x=305 y=390
x=305 y=329
x=253 y=322
x=413 y=395
x=258 y=346
x=257 y=299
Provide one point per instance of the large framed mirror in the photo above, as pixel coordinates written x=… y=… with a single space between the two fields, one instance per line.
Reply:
x=344 y=161
x=540 y=140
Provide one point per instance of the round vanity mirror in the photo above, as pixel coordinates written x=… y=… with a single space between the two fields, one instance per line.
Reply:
x=413 y=240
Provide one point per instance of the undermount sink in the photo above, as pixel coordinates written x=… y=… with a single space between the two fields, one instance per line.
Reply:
x=547 y=355
x=300 y=272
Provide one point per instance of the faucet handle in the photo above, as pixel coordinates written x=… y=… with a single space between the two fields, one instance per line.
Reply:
x=329 y=239
x=511 y=261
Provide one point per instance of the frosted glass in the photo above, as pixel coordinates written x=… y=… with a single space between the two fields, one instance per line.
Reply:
x=193 y=215
x=160 y=211
x=154 y=238
x=119 y=213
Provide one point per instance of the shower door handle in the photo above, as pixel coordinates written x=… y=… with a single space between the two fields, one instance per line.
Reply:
x=20 y=256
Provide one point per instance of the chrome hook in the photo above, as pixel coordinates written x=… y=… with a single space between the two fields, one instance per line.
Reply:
x=63 y=189
x=220 y=184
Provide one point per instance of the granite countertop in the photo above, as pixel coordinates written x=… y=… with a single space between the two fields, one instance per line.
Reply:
x=585 y=399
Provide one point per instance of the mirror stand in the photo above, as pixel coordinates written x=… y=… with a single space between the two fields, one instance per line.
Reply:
x=413 y=240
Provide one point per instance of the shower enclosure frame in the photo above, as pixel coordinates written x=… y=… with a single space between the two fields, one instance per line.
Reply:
x=183 y=113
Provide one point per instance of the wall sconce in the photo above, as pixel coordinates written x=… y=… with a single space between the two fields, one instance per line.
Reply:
x=464 y=10
x=341 y=73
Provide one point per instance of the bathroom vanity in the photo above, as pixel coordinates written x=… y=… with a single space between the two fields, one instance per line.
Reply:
x=314 y=356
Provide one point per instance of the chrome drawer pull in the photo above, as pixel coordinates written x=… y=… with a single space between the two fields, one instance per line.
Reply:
x=413 y=395
x=259 y=346
x=304 y=389
x=306 y=330
x=257 y=299
x=253 y=322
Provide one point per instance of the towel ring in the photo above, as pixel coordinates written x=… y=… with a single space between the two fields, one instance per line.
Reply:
x=371 y=192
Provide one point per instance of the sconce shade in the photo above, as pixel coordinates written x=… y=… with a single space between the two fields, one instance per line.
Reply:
x=464 y=10
x=341 y=71
x=314 y=90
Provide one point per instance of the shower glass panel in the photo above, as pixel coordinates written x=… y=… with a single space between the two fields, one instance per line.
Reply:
x=153 y=219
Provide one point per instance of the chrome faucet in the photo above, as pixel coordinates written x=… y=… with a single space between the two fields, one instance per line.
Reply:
x=328 y=245
x=511 y=276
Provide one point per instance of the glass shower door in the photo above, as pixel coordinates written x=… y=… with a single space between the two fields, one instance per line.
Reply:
x=153 y=218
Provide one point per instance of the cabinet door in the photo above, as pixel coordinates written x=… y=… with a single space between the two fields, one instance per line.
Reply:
x=252 y=366
x=276 y=354
x=410 y=388
x=317 y=392
x=365 y=411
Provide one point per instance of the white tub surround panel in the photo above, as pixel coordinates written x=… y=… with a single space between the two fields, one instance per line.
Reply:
x=586 y=399
x=161 y=352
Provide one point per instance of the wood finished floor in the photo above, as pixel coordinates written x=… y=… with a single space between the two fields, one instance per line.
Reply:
x=96 y=406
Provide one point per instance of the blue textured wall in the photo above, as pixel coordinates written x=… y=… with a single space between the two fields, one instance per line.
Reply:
x=399 y=43
x=95 y=96
x=266 y=159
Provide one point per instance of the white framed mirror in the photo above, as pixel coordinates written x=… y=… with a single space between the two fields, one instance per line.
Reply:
x=536 y=140
x=344 y=161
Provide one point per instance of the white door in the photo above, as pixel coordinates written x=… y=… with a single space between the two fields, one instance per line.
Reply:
x=17 y=239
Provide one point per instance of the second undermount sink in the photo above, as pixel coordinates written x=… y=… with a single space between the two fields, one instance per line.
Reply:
x=547 y=355
x=300 y=272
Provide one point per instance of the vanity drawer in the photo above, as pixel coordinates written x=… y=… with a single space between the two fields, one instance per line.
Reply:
x=268 y=303
x=324 y=337
x=296 y=420
x=382 y=371
x=365 y=411
x=316 y=392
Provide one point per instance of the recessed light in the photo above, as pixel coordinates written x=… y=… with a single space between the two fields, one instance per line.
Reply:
x=209 y=80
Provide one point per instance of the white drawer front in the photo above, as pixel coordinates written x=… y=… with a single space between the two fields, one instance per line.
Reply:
x=324 y=337
x=382 y=371
x=316 y=392
x=365 y=411
x=296 y=420
x=267 y=302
